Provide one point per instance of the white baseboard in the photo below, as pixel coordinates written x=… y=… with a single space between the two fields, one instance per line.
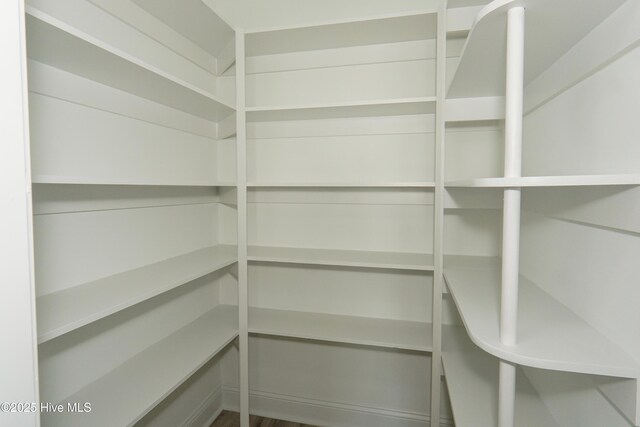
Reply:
x=207 y=411
x=323 y=413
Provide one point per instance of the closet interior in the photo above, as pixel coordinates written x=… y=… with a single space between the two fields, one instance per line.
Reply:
x=323 y=223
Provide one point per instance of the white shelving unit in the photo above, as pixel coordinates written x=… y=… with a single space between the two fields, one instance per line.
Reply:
x=146 y=379
x=550 y=181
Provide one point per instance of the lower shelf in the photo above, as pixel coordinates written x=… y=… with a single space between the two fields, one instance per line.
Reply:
x=398 y=334
x=126 y=394
x=341 y=257
x=472 y=381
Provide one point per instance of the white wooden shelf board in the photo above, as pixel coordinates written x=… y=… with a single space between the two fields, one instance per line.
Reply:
x=372 y=108
x=472 y=381
x=123 y=396
x=419 y=25
x=342 y=184
x=551 y=28
x=386 y=333
x=81 y=180
x=57 y=44
x=341 y=257
x=67 y=310
x=550 y=335
x=549 y=181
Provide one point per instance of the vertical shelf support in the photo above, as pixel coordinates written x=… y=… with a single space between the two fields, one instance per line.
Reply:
x=241 y=171
x=511 y=210
x=438 y=215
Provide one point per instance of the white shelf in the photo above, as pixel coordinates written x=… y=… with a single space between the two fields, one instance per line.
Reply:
x=81 y=180
x=341 y=257
x=126 y=394
x=472 y=381
x=550 y=335
x=373 y=108
x=549 y=181
x=365 y=331
x=70 y=309
x=552 y=27
x=418 y=25
x=57 y=44
x=341 y=185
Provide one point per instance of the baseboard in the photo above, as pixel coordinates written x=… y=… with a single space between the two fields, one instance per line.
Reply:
x=207 y=411
x=324 y=413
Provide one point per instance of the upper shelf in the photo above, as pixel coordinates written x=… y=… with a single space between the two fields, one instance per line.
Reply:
x=551 y=28
x=55 y=43
x=377 y=30
x=341 y=257
x=365 y=331
x=550 y=335
x=372 y=108
x=472 y=381
x=67 y=310
x=131 y=390
x=549 y=181
x=341 y=185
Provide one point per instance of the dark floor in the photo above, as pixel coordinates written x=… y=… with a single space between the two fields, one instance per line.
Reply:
x=232 y=419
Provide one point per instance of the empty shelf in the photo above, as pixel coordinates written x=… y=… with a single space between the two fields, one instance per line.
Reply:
x=340 y=257
x=59 y=45
x=373 y=108
x=552 y=27
x=550 y=335
x=365 y=331
x=64 y=311
x=124 y=395
x=341 y=185
x=82 y=180
x=549 y=181
x=472 y=381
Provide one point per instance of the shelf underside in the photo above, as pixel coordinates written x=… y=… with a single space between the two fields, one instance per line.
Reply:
x=551 y=28
x=341 y=185
x=340 y=257
x=549 y=336
x=549 y=181
x=126 y=394
x=372 y=108
x=384 y=333
x=54 y=43
x=472 y=382
x=67 y=310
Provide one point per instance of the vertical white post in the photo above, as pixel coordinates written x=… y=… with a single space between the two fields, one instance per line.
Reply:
x=19 y=355
x=241 y=170
x=511 y=211
x=438 y=215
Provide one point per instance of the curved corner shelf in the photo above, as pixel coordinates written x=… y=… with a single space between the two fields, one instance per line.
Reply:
x=134 y=388
x=341 y=185
x=57 y=44
x=364 y=331
x=552 y=27
x=373 y=108
x=342 y=258
x=64 y=311
x=550 y=335
x=472 y=381
x=549 y=181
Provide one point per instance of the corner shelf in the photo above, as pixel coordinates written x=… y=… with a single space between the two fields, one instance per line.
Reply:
x=61 y=312
x=69 y=49
x=341 y=185
x=472 y=381
x=549 y=181
x=373 y=108
x=550 y=335
x=557 y=27
x=341 y=257
x=365 y=331
x=124 y=395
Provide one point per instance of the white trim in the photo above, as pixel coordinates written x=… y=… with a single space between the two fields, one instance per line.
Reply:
x=214 y=399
